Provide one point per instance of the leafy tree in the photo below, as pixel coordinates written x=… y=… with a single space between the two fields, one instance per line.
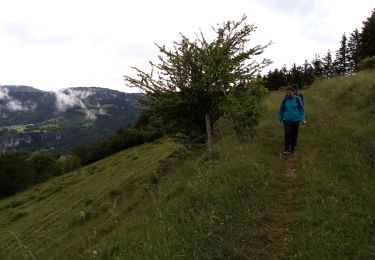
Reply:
x=82 y=152
x=15 y=172
x=341 y=63
x=242 y=106
x=44 y=166
x=196 y=77
x=68 y=163
x=367 y=43
x=367 y=63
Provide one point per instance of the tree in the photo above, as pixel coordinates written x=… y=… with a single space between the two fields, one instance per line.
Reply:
x=353 y=50
x=44 y=166
x=296 y=75
x=15 y=172
x=196 y=77
x=341 y=63
x=82 y=152
x=275 y=79
x=367 y=63
x=317 y=65
x=367 y=43
x=328 y=69
x=308 y=74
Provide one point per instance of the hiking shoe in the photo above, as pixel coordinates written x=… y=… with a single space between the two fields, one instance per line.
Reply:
x=286 y=152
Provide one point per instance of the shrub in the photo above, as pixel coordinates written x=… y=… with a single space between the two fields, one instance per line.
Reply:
x=367 y=63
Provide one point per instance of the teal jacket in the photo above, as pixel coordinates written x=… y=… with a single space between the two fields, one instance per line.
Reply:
x=292 y=109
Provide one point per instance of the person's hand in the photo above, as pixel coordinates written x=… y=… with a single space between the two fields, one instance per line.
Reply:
x=304 y=122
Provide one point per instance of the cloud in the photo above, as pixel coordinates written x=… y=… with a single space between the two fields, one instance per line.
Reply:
x=13 y=104
x=4 y=93
x=27 y=34
x=16 y=105
x=68 y=98
x=58 y=44
x=299 y=8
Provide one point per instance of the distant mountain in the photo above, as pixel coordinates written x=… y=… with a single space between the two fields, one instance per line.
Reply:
x=33 y=119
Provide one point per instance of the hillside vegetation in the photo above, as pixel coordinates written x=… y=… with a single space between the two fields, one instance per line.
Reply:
x=163 y=201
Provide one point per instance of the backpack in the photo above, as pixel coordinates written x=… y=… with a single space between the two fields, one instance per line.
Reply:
x=299 y=94
x=299 y=104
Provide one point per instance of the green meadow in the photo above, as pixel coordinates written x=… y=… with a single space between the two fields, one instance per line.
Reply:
x=163 y=200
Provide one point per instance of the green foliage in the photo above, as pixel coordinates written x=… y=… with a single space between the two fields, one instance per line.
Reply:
x=15 y=172
x=367 y=46
x=242 y=106
x=124 y=138
x=20 y=169
x=44 y=166
x=341 y=63
x=367 y=63
x=194 y=79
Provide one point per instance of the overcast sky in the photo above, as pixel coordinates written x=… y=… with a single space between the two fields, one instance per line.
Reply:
x=55 y=44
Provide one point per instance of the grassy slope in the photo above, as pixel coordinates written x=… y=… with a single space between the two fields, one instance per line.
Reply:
x=336 y=209
x=146 y=203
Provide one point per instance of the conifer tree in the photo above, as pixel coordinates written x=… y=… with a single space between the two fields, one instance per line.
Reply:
x=353 y=48
x=328 y=69
x=308 y=74
x=367 y=43
x=296 y=75
x=275 y=79
x=317 y=65
x=341 y=63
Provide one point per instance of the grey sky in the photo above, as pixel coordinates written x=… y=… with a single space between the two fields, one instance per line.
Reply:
x=50 y=44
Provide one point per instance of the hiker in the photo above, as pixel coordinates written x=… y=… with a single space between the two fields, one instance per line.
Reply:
x=297 y=92
x=291 y=114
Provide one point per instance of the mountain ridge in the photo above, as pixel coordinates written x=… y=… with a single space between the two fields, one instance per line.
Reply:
x=30 y=117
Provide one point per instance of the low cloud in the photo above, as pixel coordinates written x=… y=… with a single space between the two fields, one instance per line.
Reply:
x=13 y=104
x=69 y=98
x=16 y=105
x=4 y=93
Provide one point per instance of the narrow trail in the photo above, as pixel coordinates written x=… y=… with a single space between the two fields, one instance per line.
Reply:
x=284 y=213
x=291 y=170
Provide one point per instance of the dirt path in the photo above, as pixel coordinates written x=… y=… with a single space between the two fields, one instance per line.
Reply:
x=283 y=214
x=291 y=170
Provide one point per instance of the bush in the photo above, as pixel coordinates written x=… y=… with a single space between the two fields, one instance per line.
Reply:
x=367 y=63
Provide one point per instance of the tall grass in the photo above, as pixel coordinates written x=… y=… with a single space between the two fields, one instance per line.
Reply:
x=336 y=209
x=162 y=201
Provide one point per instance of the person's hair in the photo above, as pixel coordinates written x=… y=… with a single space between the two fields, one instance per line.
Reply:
x=289 y=88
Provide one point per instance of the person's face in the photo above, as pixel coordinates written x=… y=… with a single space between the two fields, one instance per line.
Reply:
x=289 y=93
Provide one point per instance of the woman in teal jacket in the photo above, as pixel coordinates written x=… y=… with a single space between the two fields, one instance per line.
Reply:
x=291 y=114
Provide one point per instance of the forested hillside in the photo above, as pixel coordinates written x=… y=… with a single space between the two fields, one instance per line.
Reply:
x=35 y=120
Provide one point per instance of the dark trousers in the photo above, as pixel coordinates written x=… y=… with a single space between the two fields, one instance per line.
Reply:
x=291 y=134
